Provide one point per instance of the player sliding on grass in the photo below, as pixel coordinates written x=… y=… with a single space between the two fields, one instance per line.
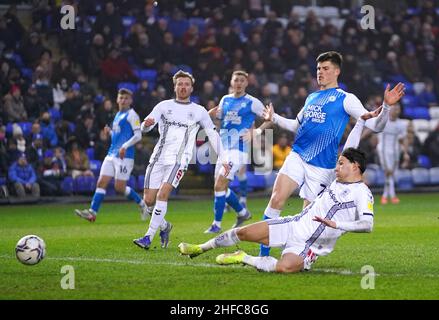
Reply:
x=119 y=162
x=179 y=120
x=319 y=127
x=346 y=205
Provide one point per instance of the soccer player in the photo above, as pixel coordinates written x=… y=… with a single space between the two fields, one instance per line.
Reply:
x=319 y=127
x=237 y=112
x=179 y=120
x=119 y=162
x=346 y=205
x=389 y=142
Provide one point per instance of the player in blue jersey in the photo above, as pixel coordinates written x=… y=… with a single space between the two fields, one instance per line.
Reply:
x=119 y=161
x=237 y=112
x=319 y=127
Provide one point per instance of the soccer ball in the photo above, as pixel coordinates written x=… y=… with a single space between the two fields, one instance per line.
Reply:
x=30 y=249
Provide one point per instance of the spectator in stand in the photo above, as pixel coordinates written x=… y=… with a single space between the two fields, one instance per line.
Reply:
x=427 y=97
x=32 y=49
x=63 y=70
x=142 y=100
x=431 y=146
x=109 y=21
x=105 y=114
x=48 y=130
x=280 y=151
x=35 y=151
x=115 y=69
x=34 y=103
x=102 y=145
x=14 y=105
x=23 y=178
x=77 y=161
x=85 y=131
x=72 y=106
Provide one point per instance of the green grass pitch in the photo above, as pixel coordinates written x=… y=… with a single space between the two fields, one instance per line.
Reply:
x=403 y=249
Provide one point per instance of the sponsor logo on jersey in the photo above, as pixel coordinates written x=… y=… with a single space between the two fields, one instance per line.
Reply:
x=233 y=117
x=315 y=113
x=332 y=98
x=190 y=116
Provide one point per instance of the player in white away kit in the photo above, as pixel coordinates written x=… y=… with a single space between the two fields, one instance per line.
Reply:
x=119 y=161
x=389 y=142
x=237 y=112
x=346 y=205
x=319 y=127
x=179 y=120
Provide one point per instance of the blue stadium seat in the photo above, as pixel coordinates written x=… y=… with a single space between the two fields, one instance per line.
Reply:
x=72 y=127
x=234 y=185
x=95 y=166
x=434 y=176
x=127 y=85
x=146 y=74
x=420 y=176
x=195 y=99
x=380 y=178
x=84 y=184
x=140 y=182
x=424 y=161
x=132 y=183
x=404 y=179
x=205 y=168
x=67 y=185
x=255 y=181
x=2 y=181
x=410 y=100
x=408 y=112
x=90 y=153
x=110 y=188
x=421 y=113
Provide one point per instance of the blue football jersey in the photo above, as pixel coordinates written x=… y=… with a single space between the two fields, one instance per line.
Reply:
x=124 y=124
x=238 y=116
x=323 y=120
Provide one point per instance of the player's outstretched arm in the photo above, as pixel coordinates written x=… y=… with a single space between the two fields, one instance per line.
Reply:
x=361 y=225
x=354 y=137
x=284 y=123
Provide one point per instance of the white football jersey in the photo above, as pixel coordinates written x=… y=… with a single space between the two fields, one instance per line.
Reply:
x=340 y=202
x=388 y=139
x=178 y=126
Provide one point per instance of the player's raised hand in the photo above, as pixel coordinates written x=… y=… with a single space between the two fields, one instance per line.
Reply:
x=148 y=122
x=122 y=152
x=107 y=129
x=268 y=112
x=326 y=222
x=393 y=96
x=372 y=114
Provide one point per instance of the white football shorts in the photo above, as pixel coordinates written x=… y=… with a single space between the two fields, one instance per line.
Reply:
x=156 y=174
x=118 y=168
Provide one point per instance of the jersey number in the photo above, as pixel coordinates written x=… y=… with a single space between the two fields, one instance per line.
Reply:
x=123 y=169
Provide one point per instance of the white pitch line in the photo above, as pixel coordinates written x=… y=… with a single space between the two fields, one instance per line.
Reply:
x=344 y=272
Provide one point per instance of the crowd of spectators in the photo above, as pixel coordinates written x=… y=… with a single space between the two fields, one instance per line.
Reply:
x=53 y=107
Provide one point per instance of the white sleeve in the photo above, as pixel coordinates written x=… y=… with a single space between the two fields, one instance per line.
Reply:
x=354 y=137
x=353 y=106
x=257 y=107
x=155 y=114
x=364 y=204
x=133 y=119
x=212 y=134
x=288 y=124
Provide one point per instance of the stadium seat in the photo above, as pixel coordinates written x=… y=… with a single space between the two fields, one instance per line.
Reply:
x=420 y=176
x=84 y=184
x=404 y=179
x=140 y=182
x=2 y=181
x=421 y=113
x=127 y=85
x=67 y=185
x=234 y=185
x=27 y=73
x=128 y=21
x=90 y=153
x=132 y=183
x=408 y=112
x=110 y=188
x=424 y=161
x=146 y=74
x=95 y=166
x=380 y=178
x=410 y=100
x=205 y=168
x=434 y=112
x=434 y=176
x=255 y=181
